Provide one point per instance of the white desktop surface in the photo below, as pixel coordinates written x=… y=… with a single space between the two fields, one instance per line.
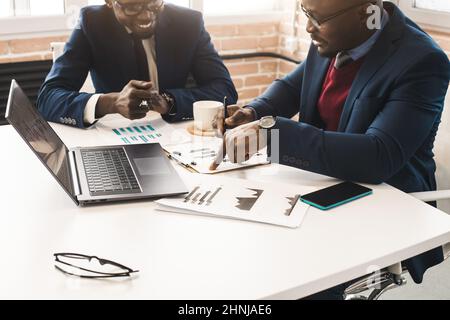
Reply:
x=194 y=257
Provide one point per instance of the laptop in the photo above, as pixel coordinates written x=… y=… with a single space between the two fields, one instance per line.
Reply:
x=94 y=174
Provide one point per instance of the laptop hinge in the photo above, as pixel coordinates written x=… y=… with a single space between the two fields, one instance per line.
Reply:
x=74 y=173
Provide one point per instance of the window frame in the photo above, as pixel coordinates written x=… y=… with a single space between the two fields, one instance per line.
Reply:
x=429 y=18
x=57 y=24
x=52 y=24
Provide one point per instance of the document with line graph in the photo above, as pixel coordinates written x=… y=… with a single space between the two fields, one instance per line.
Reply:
x=199 y=154
x=271 y=203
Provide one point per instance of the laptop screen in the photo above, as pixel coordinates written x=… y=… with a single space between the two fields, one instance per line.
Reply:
x=39 y=136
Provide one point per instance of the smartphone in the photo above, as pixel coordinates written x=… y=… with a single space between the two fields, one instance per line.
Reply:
x=336 y=195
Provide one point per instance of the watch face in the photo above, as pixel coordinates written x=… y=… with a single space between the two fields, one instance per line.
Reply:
x=267 y=122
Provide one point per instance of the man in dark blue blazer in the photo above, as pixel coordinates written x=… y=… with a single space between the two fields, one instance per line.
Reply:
x=387 y=122
x=140 y=55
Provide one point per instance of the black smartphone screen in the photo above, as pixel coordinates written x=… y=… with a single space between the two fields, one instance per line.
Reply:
x=336 y=195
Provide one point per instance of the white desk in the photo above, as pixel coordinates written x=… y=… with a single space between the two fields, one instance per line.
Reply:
x=192 y=257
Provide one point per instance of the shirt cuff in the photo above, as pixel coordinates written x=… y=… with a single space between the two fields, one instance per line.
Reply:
x=89 y=110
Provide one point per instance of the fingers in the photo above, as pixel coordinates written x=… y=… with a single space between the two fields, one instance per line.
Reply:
x=142 y=85
x=232 y=108
x=239 y=117
x=242 y=143
x=140 y=94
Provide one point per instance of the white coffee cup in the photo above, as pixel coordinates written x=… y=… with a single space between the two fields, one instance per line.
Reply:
x=204 y=114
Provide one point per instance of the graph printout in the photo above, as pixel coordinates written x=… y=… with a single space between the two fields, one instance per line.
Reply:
x=272 y=203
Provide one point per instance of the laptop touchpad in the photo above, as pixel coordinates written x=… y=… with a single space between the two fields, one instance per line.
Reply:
x=151 y=166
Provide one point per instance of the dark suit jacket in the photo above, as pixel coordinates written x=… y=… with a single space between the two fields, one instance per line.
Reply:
x=101 y=45
x=389 y=122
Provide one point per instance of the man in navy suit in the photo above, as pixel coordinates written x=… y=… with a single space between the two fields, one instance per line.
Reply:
x=370 y=104
x=140 y=54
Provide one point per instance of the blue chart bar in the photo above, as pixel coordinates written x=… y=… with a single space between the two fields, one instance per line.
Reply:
x=143 y=128
x=130 y=129
x=123 y=130
x=143 y=138
x=151 y=136
x=134 y=138
x=126 y=140
x=117 y=132
x=137 y=129
x=150 y=127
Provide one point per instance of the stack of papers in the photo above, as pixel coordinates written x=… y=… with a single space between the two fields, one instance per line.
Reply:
x=271 y=203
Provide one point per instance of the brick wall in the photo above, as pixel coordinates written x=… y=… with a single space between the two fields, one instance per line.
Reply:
x=286 y=31
x=251 y=76
x=31 y=49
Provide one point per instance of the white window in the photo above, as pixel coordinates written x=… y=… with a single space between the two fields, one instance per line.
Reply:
x=432 y=13
x=18 y=8
x=436 y=5
x=228 y=11
x=39 y=17
x=5 y=9
x=215 y=7
x=31 y=17
x=184 y=3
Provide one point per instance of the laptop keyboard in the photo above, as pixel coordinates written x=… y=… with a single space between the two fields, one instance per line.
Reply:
x=109 y=172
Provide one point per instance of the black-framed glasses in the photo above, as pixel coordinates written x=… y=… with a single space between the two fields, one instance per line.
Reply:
x=318 y=22
x=90 y=267
x=134 y=9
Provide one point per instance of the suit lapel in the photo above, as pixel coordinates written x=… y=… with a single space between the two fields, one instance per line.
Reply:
x=315 y=72
x=375 y=59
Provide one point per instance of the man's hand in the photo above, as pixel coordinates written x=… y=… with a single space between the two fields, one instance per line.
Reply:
x=236 y=116
x=241 y=144
x=128 y=102
x=158 y=103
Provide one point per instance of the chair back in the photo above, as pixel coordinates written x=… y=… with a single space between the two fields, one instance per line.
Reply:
x=442 y=155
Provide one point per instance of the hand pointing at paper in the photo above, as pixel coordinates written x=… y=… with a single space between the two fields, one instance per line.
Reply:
x=241 y=143
x=237 y=116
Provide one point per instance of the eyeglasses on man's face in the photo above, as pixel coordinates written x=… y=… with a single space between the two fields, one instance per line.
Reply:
x=134 y=9
x=90 y=267
x=319 y=22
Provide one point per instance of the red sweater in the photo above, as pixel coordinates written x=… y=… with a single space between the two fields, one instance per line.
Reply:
x=335 y=90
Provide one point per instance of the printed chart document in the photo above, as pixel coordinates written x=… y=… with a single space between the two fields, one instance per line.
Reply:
x=199 y=154
x=195 y=153
x=271 y=203
x=119 y=131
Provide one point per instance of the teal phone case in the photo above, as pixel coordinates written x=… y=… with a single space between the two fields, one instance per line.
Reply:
x=336 y=204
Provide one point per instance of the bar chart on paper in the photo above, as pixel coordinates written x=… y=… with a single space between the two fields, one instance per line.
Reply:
x=272 y=203
x=137 y=134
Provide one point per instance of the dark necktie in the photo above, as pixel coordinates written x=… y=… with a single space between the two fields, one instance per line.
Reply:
x=141 y=60
x=342 y=59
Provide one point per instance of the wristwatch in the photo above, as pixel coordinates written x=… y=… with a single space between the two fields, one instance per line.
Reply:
x=170 y=102
x=268 y=123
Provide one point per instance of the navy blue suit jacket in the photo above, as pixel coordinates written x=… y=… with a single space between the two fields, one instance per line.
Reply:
x=389 y=121
x=101 y=45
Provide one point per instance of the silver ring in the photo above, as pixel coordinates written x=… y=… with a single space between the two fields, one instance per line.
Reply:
x=144 y=104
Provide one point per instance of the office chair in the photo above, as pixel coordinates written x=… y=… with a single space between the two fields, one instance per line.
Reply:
x=394 y=276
